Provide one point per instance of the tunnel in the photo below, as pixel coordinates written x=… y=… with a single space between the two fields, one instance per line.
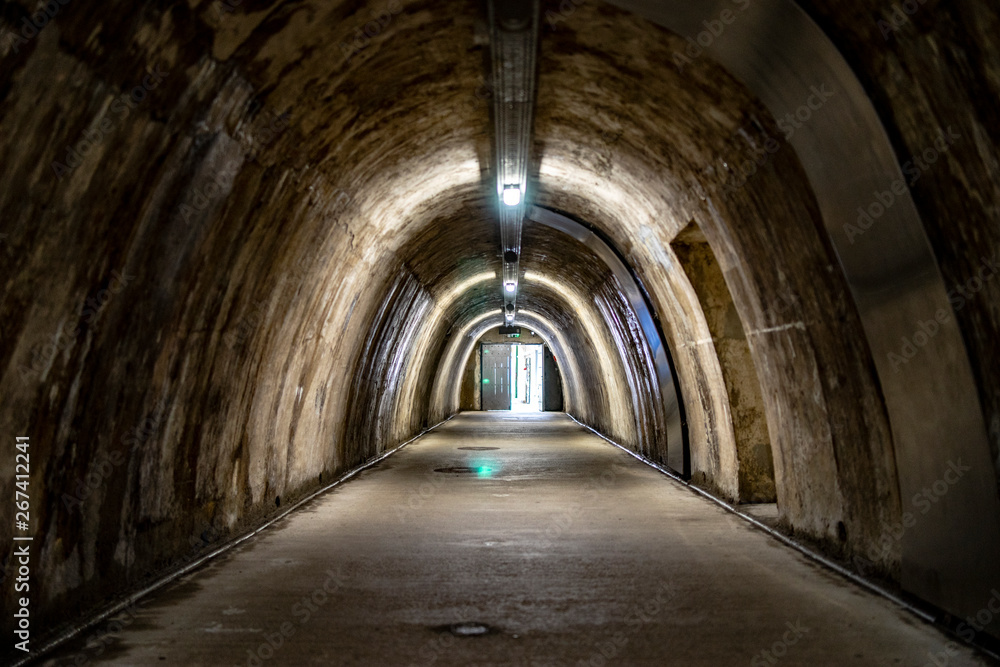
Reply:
x=254 y=251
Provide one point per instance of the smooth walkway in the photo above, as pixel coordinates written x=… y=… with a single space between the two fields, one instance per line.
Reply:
x=567 y=550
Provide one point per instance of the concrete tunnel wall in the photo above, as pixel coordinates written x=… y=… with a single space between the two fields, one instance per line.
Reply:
x=265 y=272
x=609 y=379
x=831 y=442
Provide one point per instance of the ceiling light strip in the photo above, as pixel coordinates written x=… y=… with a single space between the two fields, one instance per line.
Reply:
x=513 y=48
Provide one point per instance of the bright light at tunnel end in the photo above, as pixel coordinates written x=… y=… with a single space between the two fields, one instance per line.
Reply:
x=512 y=195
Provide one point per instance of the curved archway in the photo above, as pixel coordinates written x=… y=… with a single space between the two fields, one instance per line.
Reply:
x=265 y=256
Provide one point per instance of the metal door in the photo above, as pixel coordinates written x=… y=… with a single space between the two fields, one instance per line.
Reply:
x=552 y=395
x=495 y=367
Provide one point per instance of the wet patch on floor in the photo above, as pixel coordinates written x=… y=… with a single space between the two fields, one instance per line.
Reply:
x=467 y=629
x=460 y=469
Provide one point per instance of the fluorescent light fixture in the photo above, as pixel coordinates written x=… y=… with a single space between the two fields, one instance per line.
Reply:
x=510 y=287
x=512 y=195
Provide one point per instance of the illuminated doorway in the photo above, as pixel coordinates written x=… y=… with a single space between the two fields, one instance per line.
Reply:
x=513 y=376
x=527 y=363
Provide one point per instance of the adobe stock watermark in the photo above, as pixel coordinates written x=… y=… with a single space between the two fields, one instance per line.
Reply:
x=253 y=141
x=563 y=521
x=105 y=463
x=967 y=631
x=121 y=107
x=714 y=29
x=795 y=120
x=111 y=632
x=485 y=90
x=779 y=649
x=898 y=17
x=923 y=500
x=958 y=296
x=637 y=618
x=914 y=169
x=207 y=192
x=42 y=355
x=34 y=24
x=784 y=303
x=258 y=313
x=754 y=157
x=420 y=495
x=363 y=35
x=758 y=153
x=972 y=625
x=564 y=11
x=302 y=610
x=252 y=144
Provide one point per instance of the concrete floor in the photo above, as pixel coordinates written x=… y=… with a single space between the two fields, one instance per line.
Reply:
x=571 y=551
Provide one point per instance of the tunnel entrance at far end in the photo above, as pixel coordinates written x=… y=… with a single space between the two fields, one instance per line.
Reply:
x=513 y=376
x=514 y=372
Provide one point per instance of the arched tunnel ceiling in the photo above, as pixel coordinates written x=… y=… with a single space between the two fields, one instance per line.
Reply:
x=310 y=218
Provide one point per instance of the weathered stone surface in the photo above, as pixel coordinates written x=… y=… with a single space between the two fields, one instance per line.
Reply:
x=668 y=144
x=933 y=69
x=258 y=272
x=280 y=312
x=746 y=405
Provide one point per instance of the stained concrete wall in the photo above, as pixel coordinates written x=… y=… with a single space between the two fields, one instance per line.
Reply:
x=729 y=343
x=834 y=465
x=932 y=71
x=279 y=310
x=262 y=268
